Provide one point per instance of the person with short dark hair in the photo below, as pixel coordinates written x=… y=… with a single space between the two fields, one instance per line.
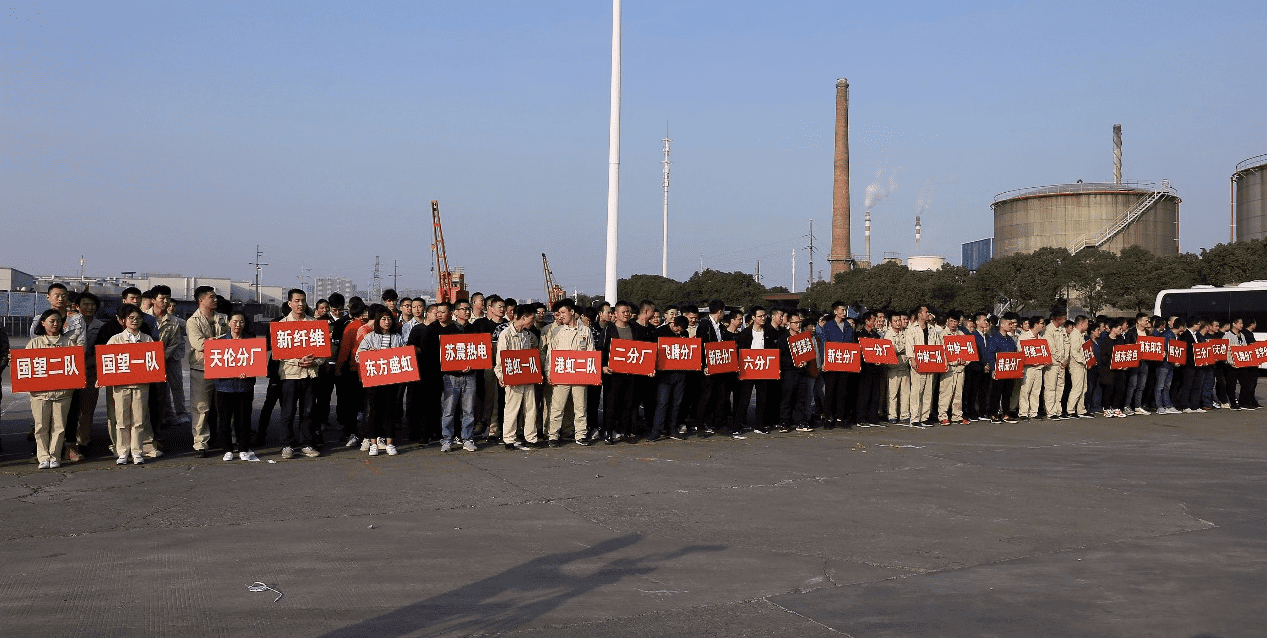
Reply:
x=202 y=325
x=795 y=406
x=566 y=333
x=521 y=400
x=234 y=397
x=1000 y=340
x=836 y=398
x=670 y=387
x=619 y=388
x=298 y=396
x=131 y=401
x=347 y=380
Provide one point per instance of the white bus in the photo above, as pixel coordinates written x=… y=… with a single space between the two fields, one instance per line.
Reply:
x=1246 y=301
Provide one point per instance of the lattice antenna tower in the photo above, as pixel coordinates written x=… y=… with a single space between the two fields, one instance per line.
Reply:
x=376 y=286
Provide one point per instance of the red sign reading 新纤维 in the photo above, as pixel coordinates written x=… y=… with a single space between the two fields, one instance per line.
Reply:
x=758 y=364
x=678 y=353
x=387 y=366
x=575 y=367
x=520 y=367
x=232 y=358
x=842 y=357
x=929 y=359
x=961 y=348
x=299 y=339
x=878 y=351
x=721 y=357
x=43 y=369
x=131 y=364
x=628 y=356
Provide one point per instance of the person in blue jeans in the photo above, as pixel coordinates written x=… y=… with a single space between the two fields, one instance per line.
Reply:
x=671 y=386
x=1165 y=372
x=459 y=389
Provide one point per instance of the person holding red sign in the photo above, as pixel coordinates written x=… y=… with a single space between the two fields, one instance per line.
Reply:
x=898 y=375
x=565 y=334
x=1054 y=375
x=298 y=393
x=755 y=337
x=871 y=381
x=1113 y=381
x=797 y=400
x=1231 y=374
x=921 y=332
x=50 y=408
x=671 y=386
x=233 y=402
x=1032 y=384
x=837 y=408
x=1000 y=340
x=1137 y=377
x=619 y=388
x=521 y=400
x=130 y=401
x=950 y=392
x=382 y=402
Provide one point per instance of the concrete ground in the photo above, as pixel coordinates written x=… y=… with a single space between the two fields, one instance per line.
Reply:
x=1147 y=526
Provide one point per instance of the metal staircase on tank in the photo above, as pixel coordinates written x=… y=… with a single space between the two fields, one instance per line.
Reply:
x=1110 y=231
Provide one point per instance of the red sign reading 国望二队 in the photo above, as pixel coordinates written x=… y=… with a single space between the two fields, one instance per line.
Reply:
x=43 y=369
x=131 y=364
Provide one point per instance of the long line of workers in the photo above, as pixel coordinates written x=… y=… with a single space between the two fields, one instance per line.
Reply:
x=464 y=407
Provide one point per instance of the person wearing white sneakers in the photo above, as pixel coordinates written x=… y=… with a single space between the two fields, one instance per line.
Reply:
x=50 y=408
x=130 y=401
x=383 y=402
x=234 y=397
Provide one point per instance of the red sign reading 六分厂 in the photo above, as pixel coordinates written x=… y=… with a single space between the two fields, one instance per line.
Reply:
x=43 y=369
x=842 y=357
x=721 y=357
x=627 y=356
x=131 y=364
x=299 y=339
x=387 y=366
x=678 y=353
x=758 y=364
x=232 y=358
x=521 y=367
x=466 y=350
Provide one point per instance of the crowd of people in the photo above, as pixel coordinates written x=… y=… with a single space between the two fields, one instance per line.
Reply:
x=323 y=396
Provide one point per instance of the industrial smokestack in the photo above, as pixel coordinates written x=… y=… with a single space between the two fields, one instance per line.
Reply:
x=917 y=228
x=841 y=256
x=1117 y=153
x=866 y=225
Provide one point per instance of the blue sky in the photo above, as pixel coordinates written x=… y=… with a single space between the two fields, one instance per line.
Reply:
x=175 y=136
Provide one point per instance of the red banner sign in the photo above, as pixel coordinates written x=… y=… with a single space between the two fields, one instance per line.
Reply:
x=575 y=367
x=1243 y=356
x=722 y=357
x=43 y=369
x=466 y=350
x=1220 y=347
x=1036 y=352
x=1260 y=351
x=1151 y=348
x=298 y=339
x=631 y=357
x=387 y=366
x=842 y=357
x=961 y=348
x=758 y=364
x=1176 y=351
x=878 y=351
x=1126 y=356
x=1009 y=365
x=929 y=359
x=521 y=367
x=131 y=364
x=801 y=345
x=678 y=353
x=232 y=358
x=1088 y=351
x=1203 y=354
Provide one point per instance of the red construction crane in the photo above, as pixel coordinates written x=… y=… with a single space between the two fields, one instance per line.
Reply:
x=449 y=287
x=554 y=292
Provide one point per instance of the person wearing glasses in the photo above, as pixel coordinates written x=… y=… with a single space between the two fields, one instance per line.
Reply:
x=130 y=400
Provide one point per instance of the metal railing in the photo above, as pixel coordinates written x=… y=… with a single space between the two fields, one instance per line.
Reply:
x=1253 y=162
x=1083 y=187
x=1110 y=230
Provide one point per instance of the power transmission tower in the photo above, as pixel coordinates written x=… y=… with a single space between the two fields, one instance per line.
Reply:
x=809 y=281
x=376 y=286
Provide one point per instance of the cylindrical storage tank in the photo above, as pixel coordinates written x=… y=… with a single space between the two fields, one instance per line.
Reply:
x=925 y=262
x=1251 y=198
x=1073 y=216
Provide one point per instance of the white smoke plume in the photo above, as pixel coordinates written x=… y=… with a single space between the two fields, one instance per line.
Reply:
x=925 y=197
x=878 y=190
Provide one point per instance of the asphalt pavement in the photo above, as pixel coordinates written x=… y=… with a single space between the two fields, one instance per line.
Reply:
x=1146 y=526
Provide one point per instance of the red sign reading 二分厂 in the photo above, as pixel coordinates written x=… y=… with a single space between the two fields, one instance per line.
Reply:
x=627 y=356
